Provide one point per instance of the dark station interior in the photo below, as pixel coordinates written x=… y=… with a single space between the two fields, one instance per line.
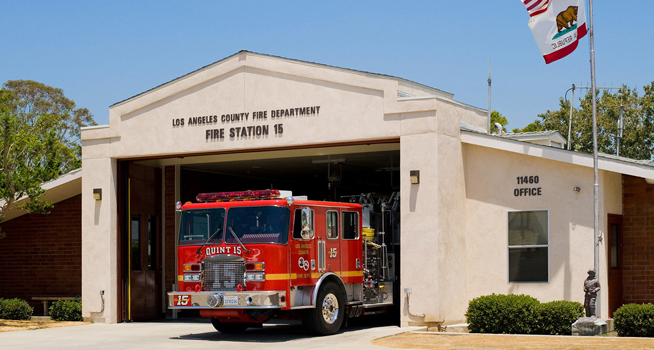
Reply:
x=337 y=177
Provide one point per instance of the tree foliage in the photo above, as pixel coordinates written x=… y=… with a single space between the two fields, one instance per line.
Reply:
x=638 y=136
x=497 y=117
x=39 y=140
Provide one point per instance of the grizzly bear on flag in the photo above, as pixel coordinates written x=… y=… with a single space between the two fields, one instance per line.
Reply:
x=557 y=26
x=566 y=18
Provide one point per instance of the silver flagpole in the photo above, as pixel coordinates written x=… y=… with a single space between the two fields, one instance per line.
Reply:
x=598 y=301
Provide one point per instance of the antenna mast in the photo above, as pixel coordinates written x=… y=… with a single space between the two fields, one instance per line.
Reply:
x=489 y=95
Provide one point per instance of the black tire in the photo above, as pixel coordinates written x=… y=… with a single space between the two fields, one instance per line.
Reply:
x=229 y=328
x=327 y=317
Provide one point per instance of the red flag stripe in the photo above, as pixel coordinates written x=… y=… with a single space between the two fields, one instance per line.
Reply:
x=539 y=11
x=536 y=3
x=557 y=55
x=535 y=7
x=529 y=3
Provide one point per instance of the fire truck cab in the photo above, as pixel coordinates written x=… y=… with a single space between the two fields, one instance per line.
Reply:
x=246 y=257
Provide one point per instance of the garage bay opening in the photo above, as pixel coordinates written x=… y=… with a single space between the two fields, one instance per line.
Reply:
x=305 y=234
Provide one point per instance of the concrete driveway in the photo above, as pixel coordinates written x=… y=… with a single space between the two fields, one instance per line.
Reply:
x=192 y=334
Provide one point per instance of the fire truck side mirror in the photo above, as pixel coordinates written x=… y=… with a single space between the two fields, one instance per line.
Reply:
x=307 y=223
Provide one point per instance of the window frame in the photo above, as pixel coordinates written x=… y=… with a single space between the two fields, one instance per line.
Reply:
x=182 y=227
x=313 y=224
x=135 y=218
x=343 y=224
x=152 y=242
x=508 y=246
x=611 y=245
x=338 y=228
x=224 y=240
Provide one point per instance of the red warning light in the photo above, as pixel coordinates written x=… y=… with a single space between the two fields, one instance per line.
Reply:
x=240 y=195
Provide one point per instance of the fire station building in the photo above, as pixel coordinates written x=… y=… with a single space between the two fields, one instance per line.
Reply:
x=470 y=213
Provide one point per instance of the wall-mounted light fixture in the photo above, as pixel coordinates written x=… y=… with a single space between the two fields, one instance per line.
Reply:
x=577 y=189
x=415 y=177
x=97 y=194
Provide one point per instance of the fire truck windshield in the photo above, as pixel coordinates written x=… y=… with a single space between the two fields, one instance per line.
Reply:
x=258 y=224
x=199 y=225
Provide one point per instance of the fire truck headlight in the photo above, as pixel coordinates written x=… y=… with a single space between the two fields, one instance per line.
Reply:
x=248 y=300
x=192 y=277
x=255 y=276
x=215 y=300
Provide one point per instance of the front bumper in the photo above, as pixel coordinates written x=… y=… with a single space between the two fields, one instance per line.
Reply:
x=227 y=300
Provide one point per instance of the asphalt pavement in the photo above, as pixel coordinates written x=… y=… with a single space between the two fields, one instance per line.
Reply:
x=194 y=334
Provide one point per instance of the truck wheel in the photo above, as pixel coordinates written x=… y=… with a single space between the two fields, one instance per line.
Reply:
x=228 y=327
x=327 y=317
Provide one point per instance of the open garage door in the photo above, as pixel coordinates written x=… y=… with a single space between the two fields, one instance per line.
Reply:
x=368 y=178
x=368 y=174
x=321 y=177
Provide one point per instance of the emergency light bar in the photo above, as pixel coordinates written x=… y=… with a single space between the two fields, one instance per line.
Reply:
x=233 y=196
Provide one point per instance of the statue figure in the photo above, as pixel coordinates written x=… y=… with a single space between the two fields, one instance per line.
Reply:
x=591 y=287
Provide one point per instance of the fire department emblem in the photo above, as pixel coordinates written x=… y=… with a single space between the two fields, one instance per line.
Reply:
x=304 y=264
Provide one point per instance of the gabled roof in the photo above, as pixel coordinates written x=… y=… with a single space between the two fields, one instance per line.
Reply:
x=620 y=165
x=437 y=91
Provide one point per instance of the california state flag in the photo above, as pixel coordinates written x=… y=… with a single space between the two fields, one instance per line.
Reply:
x=557 y=26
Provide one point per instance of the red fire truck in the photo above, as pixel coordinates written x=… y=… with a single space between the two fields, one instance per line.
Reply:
x=247 y=257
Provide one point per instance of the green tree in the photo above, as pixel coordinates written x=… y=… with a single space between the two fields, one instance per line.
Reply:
x=551 y=120
x=34 y=100
x=39 y=140
x=638 y=136
x=637 y=142
x=497 y=117
x=536 y=125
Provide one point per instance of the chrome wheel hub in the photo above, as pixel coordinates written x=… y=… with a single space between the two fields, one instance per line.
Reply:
x=330 y=308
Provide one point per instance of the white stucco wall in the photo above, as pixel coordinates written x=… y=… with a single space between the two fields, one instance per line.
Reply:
x=490 y=177
x=354 y=107
x=99 y=224
x=454 y=223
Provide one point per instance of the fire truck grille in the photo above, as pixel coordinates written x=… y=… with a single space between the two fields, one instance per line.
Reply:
x=223 y=276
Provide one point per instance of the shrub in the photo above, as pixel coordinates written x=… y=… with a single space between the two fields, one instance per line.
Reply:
x=15 y=309
x=634 y=320
x=66 y=310
x=557 y=317
x=521 y=314
x=498 y=313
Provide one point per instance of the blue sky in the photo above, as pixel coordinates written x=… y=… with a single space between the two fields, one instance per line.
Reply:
x=103 y=52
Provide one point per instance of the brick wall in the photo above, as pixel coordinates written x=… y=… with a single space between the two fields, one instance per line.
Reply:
x=638 y=240
x=42 y=254
x=169 y=217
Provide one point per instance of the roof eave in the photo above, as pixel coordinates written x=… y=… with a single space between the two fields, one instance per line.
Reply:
x=57 y=190
x=199 y=70
x=556 y=154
